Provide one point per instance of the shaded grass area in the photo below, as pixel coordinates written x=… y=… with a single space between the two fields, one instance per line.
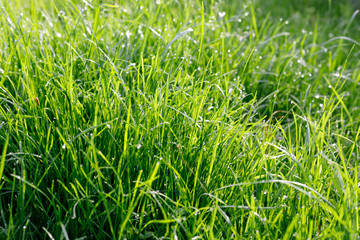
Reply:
x=179 y=119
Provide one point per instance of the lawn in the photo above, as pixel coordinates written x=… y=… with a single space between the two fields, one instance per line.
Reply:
x=179 y=119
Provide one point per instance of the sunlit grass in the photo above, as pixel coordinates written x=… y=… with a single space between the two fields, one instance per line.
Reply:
x=179 y=119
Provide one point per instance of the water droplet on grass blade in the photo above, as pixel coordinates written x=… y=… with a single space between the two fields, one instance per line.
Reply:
x=222 y=14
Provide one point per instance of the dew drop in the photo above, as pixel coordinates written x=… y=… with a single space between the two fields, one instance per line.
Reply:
x=222 y=14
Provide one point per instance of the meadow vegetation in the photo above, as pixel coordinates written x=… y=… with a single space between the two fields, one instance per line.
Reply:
x=182 y=119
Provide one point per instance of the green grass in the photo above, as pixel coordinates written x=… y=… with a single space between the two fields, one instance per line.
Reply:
x=179 y=119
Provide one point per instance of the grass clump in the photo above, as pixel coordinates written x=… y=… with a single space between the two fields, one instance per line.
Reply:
x=179 y=119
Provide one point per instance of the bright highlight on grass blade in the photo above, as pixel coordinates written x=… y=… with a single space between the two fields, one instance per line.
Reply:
x=179 y=35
